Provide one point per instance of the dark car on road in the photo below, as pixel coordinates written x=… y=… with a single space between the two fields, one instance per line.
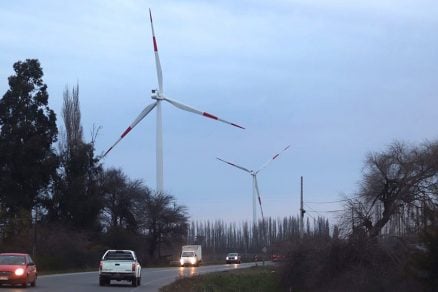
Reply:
x=233 y=257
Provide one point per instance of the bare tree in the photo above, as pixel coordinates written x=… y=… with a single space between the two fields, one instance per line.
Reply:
x=71 y=114
x=394 y=180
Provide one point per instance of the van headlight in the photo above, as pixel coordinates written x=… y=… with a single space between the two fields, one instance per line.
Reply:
x=181 y=261
x=193 y=261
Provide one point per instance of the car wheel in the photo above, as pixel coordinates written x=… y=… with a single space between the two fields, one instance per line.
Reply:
x=134 y=282
x=33 y=283
x=102 y=282
x=139 y=281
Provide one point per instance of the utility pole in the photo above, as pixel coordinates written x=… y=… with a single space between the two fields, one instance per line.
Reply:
x=302 y=211
x=34 y=241
x=352 y=219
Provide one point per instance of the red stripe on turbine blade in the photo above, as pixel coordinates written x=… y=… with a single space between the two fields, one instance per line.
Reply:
x=126 y=132
x=235 y=125
x=155 y=44
x=209 y=116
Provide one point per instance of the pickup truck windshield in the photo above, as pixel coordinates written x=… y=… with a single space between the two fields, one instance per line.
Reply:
x=119 y=256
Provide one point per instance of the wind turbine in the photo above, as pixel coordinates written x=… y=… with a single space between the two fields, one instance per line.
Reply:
x=255 y=187
x=158 y=96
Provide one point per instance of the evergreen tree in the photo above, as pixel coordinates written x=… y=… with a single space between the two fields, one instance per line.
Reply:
x=27 y=132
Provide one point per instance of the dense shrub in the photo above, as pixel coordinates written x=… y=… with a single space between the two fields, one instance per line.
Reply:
x=355 y=265
x=60 y=248
x=425 y=257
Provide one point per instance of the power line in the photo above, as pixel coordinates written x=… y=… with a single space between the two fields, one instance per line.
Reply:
x=328 y=202
x=311 y=216
x=313 y=211
x=330 y=211
x=338 y=201
x=319 y=212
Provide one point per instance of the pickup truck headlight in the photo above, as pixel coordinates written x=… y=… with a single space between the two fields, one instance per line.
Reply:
x=181 y=261
x=193 y=261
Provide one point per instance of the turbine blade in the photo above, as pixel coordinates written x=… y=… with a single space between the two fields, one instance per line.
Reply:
x=274 y=157
x=157 y=57
x=133 y=124
x=258 y=195
x=235 y=165
x=195 y=111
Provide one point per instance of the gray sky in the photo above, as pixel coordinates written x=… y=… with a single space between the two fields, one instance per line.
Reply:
x=335 y=79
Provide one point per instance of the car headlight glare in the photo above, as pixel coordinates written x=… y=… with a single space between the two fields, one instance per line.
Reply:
x=181 y=261
x=19 y=272
x=193 y=261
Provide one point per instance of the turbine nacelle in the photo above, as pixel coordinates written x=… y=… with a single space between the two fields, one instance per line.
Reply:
x=156 y=95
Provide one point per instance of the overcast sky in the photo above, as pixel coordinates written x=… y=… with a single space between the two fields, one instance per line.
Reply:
x=334 y=79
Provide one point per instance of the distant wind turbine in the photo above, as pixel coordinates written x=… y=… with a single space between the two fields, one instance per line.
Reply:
x=255 y=187
x=158 y=96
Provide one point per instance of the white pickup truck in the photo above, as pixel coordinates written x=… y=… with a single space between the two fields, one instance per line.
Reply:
x=119 y=265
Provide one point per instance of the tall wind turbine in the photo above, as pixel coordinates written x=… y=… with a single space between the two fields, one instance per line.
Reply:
x=158 y=96
x=255 y=187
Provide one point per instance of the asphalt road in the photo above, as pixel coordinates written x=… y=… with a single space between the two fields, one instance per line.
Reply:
x=151 y=279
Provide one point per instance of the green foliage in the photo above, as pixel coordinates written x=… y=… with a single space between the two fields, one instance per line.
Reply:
x=77 y=199
x=123 y=200
x=62 y=248
x=257 y=279
x=165 y=221
x=27 y=132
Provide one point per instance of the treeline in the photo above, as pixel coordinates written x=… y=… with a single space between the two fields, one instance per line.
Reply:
x=219 y=237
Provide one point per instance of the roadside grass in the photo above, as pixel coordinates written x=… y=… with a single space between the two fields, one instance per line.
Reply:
x=254 y=279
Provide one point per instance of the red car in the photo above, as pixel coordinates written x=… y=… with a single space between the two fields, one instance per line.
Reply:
x=278 y=257
x=17 y=268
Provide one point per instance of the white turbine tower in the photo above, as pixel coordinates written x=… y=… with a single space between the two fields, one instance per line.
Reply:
x=158 y=96
x=255 y=187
